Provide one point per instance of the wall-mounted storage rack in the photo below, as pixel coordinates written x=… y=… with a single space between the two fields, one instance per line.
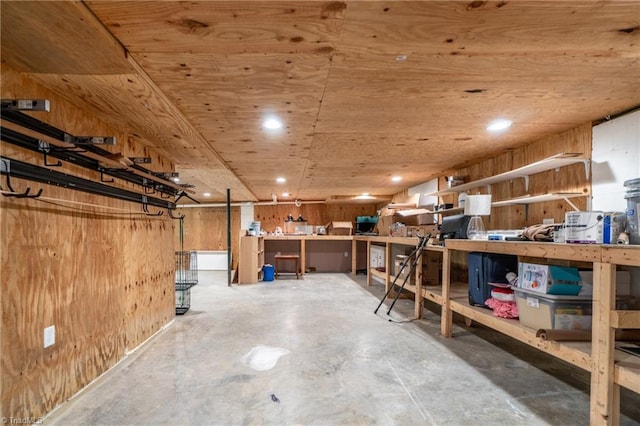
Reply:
x=550 y=163
x=27 y=132
x=13 y=168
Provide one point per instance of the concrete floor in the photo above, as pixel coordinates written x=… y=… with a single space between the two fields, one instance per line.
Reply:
x=311 y=351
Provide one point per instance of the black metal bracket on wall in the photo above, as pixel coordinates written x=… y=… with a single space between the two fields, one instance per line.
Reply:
x=75 y=155
x=18 y=169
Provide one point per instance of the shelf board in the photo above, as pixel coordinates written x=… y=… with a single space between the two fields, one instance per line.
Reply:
x=378 y=274
x=530 y=199
x=554 y=162
x=578 y=252
x=627 y=371
x=452 y=210
x=577 y=353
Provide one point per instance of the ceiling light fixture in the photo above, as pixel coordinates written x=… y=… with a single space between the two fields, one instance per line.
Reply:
x=272 y=123
x=280 y=180
x=364 y=197
x=396 y=179
x=175 y=179
x=285 y=194
x=401 y=58
x=207 y=194
x=499 y=124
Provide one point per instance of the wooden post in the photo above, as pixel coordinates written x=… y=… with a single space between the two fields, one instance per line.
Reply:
x=418 y=295
x=354 y=246
x=303 y=256
x=446 y=321
x=602 y=344
x=368 y=263
x=387 y=265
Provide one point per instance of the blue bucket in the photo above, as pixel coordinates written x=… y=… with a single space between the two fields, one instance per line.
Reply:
x=267 y=272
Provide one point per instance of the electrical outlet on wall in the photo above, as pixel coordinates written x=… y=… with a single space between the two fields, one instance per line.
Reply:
x=548 y=221
x=49 y=336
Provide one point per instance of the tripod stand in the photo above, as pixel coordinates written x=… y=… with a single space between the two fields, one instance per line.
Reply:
x=413 y=257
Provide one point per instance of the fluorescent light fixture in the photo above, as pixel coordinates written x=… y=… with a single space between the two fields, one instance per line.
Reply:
x=499 y=124
x=396 y=178
x=207 y=194
x=272 y=123
x=280 y=180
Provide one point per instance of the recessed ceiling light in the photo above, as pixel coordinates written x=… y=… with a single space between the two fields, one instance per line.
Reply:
x=280 y=180
x=207 y=194
x=272 y=123
x=285 y=194
x=500 y=124
x=396 y=179
x=365 y=196
x=401 y=58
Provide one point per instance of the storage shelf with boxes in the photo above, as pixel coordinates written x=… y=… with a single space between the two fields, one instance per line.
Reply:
x=406 y=222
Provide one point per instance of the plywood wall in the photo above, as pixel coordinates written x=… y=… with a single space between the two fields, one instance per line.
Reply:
x=315 y=214
x=566 y=179
x=205 y=228
x=102 y=277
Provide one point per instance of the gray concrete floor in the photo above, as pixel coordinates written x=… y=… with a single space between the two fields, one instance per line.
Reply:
x=312 y=352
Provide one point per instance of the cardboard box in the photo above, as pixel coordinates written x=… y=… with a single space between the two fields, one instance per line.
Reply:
x=383 y=225
x=399 y=261
x=431 y=268
x=549 y=279
x=583 y=227
x=340 y=228
x=546 y=311
x=414 y=217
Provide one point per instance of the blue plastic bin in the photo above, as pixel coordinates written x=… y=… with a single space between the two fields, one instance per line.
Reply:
x=268 y=272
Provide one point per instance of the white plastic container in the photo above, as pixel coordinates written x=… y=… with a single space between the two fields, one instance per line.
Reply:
x=548 y=311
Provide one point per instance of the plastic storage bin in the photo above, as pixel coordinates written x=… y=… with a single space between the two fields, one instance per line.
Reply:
x=548 y=311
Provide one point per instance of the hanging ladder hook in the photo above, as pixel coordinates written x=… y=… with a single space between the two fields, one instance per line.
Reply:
x=174 y=217
x=5 y=167
x=145 y=208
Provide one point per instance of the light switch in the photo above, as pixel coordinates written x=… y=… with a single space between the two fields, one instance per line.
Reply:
x=49 y=336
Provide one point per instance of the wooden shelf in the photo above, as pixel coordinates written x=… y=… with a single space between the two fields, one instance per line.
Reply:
x=530 y=199
x=376 y=273
x=606 y=364
x=550 y=163
x=577 y=353
x=627 y=371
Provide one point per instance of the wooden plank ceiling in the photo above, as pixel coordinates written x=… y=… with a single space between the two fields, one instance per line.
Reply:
x=196 y=79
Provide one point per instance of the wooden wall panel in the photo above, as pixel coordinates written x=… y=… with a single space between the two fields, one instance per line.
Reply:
x=103 y=278
x=206 y=228
x=315 y=214
x=566 y=179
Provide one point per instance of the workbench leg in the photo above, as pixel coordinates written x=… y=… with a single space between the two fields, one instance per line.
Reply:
x=354 y=246
x=368 y=263
x=602 y=344
x=303 y=258
x=446 y=321
x=418 y=295
x=387 y=266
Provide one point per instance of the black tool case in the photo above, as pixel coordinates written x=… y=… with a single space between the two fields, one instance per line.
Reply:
x=485 y=268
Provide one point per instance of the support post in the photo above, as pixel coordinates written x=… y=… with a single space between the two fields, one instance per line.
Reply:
x=229 y=260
